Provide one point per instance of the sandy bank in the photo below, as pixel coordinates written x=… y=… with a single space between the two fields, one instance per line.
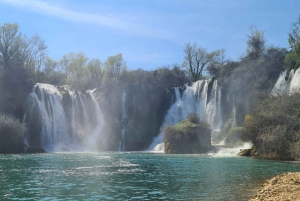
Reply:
x=282 y=187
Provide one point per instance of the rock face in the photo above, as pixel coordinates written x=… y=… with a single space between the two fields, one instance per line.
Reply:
x=145 y=111
x=188 y=137
x=282 y=187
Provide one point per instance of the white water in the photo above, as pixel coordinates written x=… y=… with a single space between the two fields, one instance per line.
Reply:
x=193 y=100
x=123 y=140
x=231 y=152
x=69 y=121
x=292 y=85
x=124 y=114
x=122 y=146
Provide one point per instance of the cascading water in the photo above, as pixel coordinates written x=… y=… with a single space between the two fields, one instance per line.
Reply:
x=124 y=115
x=232 y=152
x=289 y=86
x=213 y=108
x=194 y=99
x=63 y=120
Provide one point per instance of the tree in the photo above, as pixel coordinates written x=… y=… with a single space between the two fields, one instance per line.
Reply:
x=18 y=51
x=95 y=71
x=196 y=59
x=81 y=73
x=9 y=39
x=12 y=135
x=292 y=59
x=217 y=63
x=51 y=73
x=34 y=51
x=74 y=66
x=20 y=62
x=115 y=66
x=256 y=43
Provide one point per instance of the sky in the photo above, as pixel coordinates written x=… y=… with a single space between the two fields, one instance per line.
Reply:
x=149 y=33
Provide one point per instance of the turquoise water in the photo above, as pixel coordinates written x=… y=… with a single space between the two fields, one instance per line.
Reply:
x=133 y=176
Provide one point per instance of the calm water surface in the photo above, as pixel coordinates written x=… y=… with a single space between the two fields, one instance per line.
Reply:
x=133 y=176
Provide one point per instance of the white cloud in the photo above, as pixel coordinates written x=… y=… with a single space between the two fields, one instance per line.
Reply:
x=46 y=8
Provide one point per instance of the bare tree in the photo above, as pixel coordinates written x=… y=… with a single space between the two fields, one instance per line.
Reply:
x=35 y=53
x=9 y=37
x=196 y=59
x=19 y=51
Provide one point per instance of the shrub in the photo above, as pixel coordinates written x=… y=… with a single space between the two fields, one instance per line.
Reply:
x=11 y=135
x=274 y=127
x=194 y=118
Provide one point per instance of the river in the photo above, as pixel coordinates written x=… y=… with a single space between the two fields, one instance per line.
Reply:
x=134 y=176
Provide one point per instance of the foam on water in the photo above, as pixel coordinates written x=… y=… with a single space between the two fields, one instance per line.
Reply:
x=232 y=152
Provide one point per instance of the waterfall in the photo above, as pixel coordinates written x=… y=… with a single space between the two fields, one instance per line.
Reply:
x=234 y=124
x=231 y=152
x=213 y=108
x=197 y=98
x=124 y=115
x=289 y=86
x=281 y=86
x=123 y=140
x=62 y=119
x=295 y=82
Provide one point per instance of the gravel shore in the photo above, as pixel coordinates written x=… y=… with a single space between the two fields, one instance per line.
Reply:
x=282 y=187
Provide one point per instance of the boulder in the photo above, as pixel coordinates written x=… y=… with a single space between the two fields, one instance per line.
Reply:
x=190 y=136
x=34 y=150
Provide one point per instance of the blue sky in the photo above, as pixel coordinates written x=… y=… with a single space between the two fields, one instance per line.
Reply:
x=149 y=33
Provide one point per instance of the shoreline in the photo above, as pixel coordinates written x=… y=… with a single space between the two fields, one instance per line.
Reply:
x=285 y=186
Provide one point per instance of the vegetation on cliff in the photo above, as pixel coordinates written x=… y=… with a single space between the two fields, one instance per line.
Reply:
x=292 y=59
x=190 y=136
x=11 y=135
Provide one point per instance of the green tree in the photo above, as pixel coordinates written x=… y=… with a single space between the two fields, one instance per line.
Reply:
x=21 y=59
x=95 y=71
x=115 y=67
x=81 y=73
x=9 y=43
x=74 y=66
x=292 y=59
x=51 y=72
x=17 y=50
x=256 y=43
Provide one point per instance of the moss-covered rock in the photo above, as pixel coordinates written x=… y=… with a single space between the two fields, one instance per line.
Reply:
x=188 y=137
x=234 y=136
